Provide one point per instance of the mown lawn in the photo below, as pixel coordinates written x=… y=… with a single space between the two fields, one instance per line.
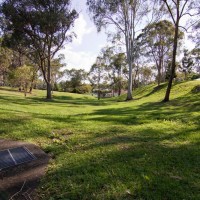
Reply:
x=112 y=149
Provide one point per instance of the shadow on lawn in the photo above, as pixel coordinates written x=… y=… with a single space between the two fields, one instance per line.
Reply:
x=143 y=170
x=154 y=90
x=10 y=124
x=178 y=109
x=57 y=100
x=9 y=89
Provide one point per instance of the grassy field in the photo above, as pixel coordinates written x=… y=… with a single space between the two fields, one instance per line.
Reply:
x=112 y=149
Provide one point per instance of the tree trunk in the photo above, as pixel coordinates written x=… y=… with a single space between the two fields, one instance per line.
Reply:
x=119 y=82
x=98 y=94
x=130 y=83
x=49 y=96
x=159 y=67
x=159 y=76
x=49 y=90
x=30 y=90
x=185 y=73
x=119 y=89
x=25 y=88
x=173 y=67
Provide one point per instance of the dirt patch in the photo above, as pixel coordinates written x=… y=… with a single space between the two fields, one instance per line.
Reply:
x=23 y=178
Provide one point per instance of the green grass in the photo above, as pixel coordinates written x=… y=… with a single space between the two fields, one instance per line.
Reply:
x=112 y=149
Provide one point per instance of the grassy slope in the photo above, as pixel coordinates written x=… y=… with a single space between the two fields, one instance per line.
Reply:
x=141 y=149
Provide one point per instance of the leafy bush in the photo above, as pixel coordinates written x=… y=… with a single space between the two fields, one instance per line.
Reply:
x=195 y=76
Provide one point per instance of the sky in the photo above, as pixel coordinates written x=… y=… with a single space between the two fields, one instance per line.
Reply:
x=82 y=52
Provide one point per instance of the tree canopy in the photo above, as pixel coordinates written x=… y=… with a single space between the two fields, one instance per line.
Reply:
x=42 y=27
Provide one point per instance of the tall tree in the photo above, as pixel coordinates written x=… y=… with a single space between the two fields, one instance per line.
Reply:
x=22 y=77
x=57 y=73
x=196 y=39
x=118 y=64
x=157 y=41
x=97 y=74
x=177 y=9
x=75 y=78
x=42 y=26
x=125 y=15
x=196 y=54
x=5 y=62
x=187 y=63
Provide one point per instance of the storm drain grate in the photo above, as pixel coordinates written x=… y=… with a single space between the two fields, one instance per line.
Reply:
x=15 y=156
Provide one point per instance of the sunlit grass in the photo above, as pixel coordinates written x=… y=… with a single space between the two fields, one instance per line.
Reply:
x=111 y=149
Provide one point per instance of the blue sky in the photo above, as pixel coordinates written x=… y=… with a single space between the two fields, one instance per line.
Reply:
x=82 y=52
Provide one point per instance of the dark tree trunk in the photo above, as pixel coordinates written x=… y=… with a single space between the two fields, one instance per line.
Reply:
x=49 y=96
x=159 y=77
x=119 y=90
x=30 y=90
x=173 y=67
x=98 y=94
x=159 y=71
x=120 y=82
x=130 y=84
x=25 y=89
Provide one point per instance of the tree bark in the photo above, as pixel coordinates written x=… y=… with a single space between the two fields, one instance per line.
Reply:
x=119 y=81
x=173 y=67
x=130 y=83
x=159 y=76
x=49 y=96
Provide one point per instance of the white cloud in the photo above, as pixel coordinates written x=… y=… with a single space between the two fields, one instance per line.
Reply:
x=78 y=59
x=82 y=52
x=81 y=29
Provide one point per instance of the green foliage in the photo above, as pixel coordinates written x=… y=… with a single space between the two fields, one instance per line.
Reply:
x=156 y=42
x=195 y=76
x=41 y=27
x=187 y=63
x=75 y=81
x=22 y=77
x=84 y=89
x=106 y=149
x=5 y=60
x=196 y=54
x=168 y=70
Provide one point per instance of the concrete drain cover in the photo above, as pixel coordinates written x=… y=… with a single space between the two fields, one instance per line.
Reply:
x=15 y=156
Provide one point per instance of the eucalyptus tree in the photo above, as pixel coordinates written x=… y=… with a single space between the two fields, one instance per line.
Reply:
x=75 y=78
x=196 y=55
x=42 y=27
x=22 y=77
x=5 y=62
x=156 y=40
x=126 y=17
x=118 y=65
x=57 y=72
x=97 y=74
x=187 y=63
x=146 y=74
x=178 y=9
x=196 y=39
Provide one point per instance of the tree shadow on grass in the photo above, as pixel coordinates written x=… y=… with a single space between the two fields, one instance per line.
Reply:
x=182 y=108
x=9 y=89
x=143 y=171
x=154 y=90
x=57 y=100
x=7 y=125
